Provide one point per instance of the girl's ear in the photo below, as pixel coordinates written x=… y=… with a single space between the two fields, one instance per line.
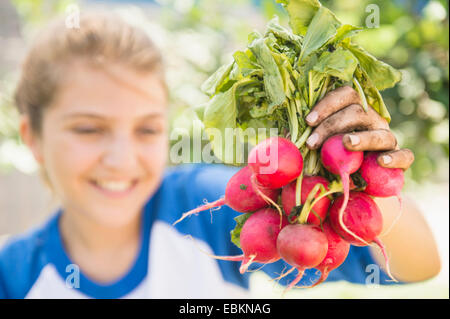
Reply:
x=29 y=138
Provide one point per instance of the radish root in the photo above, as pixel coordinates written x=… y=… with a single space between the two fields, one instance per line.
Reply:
x=378 y=242
x=345 y=178
x=257 y=186
x=400 y=201
x=282 y=275
x=246 y=262
x=295 y=281
x=217 y=203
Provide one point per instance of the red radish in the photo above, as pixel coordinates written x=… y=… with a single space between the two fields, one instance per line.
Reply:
x=381 y=181
x=338 y=160
x=302 y=246
x=308 y=183
x=336 y=254
x=363 y=218
x=240 y=195
x=258 y=238
x=275 y=162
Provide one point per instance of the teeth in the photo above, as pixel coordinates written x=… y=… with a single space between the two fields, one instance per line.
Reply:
x=114 y=186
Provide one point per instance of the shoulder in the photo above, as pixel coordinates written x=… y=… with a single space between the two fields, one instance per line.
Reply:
x=22 y=258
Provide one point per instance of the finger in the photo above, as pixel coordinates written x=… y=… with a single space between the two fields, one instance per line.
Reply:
x=351 y=118
x=396 y=159
x=332 y=102
x=376 y=140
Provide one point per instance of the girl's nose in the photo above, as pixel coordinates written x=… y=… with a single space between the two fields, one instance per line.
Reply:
x=120 y=154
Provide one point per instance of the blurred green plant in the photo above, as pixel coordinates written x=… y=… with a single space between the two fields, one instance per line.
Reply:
x=198 y=36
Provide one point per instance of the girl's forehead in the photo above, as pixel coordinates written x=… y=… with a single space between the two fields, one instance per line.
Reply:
x=111 y=90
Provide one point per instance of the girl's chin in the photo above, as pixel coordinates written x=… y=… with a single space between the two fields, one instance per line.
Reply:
x=115 y=217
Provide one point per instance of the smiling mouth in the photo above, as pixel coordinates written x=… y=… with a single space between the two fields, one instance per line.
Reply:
x=114 y=188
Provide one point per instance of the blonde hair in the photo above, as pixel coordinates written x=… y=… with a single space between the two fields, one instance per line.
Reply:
x=102 y=38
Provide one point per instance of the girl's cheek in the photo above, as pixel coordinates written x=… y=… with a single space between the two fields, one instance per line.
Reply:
x=72 y=157
x=156 y=153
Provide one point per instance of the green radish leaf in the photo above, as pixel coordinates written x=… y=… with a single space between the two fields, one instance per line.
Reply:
x=301 y=12
x=259 y=111
x=286 y=72
x=253 y=36
x=245 y=65
x=323 y=27
x=382 y=75
x=345 y=32
x=236 y=232
x=373 y=96
x=219 y=120
x=340 y=63
x=283 y=34
x=273 y=82
x=210 y=86
x=315 y=81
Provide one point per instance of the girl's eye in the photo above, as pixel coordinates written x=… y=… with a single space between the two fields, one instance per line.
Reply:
x=87 y=130
x=147 y=131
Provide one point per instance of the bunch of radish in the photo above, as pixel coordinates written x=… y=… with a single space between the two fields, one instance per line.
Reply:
x=300 y=205
x=308 y=221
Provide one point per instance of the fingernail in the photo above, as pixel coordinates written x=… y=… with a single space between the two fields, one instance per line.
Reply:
x=354 y=139
x=312 y=140
x=312 y=117
x=387 y=159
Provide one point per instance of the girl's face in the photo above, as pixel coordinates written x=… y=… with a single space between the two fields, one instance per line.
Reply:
x=104 y=142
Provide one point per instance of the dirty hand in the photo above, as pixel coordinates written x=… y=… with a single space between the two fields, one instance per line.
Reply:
x=340 y=111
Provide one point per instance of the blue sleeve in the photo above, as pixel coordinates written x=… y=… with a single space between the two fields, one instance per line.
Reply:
x=21 y=260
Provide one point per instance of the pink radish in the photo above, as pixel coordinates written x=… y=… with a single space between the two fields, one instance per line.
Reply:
x=336 y=254
x=381 y=181
x=240 y=195
x=258 y=239
x=363 y=218
x=338 y=160
x=308 y=183
x=275 y=162
x=302 y=246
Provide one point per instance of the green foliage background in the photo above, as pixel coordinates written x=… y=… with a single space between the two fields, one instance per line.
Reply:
x=197 y=36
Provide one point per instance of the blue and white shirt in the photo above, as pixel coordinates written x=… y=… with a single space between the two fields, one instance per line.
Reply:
x=169 y=264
